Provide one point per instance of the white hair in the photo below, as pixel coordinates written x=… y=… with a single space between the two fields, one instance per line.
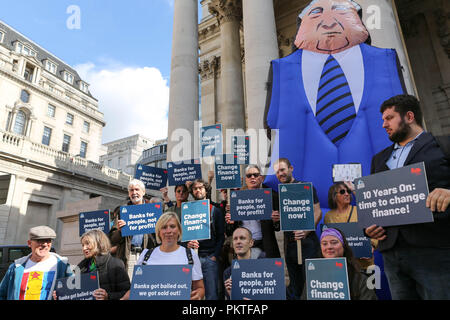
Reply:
x=252 y=166
x=309 y=6
x=136 y=182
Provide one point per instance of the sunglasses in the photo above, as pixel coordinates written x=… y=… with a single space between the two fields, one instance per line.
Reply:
x=249 y=175
x=343 y=191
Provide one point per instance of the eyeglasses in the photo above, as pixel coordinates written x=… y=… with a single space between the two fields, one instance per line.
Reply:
x=343 y=191
x=249 y=175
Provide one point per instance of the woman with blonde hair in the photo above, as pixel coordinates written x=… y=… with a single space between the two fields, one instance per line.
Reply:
x=168 y=234
x=113 y=277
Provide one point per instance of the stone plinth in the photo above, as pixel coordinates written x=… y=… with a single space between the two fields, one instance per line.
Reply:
x=70 y=245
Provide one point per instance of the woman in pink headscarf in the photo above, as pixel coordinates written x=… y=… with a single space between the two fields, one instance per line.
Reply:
x=334 y=245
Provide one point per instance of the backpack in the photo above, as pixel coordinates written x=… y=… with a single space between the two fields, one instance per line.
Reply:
x=150 y=251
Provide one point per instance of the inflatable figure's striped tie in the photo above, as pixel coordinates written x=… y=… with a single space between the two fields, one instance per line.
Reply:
x=335 y=108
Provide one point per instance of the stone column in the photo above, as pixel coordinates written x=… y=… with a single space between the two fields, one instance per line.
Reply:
x=183 y=99
x=261 y=47
x=380 y=18
x=231 y=107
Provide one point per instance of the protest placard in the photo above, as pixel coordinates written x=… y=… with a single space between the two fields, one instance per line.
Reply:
x=140 y=219
x=80 y=286
x=161 y=282
x=180 y=172
x=354 y=234
x=296 y=206
x=227 y=172
x=94 y=220
x=195 y=220
x=211 y=140
x=258 y=279
x=251 y=204
x=347 y=172
x=327 y=279
x=393 y=197
x=152 y=177
x=241 y=148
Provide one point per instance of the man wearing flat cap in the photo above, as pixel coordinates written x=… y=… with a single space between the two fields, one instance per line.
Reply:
x=33 y=277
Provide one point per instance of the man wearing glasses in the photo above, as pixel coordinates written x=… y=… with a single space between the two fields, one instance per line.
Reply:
x=33 y=277
x=309 y=241
x=263 y=231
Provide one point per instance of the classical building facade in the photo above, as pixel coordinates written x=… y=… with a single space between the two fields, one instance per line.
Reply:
x=123 y=154
x=238 y=39
x=50 y=139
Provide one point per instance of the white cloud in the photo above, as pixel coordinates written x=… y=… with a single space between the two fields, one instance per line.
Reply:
x=134 y=100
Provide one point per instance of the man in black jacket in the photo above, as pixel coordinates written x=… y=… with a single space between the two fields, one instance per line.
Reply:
x=209 y=249
x=416 y=257
x=310 y=245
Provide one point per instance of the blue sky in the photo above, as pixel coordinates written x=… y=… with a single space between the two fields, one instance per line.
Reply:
x=120 y=46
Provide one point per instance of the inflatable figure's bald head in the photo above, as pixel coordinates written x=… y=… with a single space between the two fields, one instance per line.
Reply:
x=330 y=26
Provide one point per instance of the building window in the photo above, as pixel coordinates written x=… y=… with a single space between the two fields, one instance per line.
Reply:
x=84 y=87
x=2 y=35
x=28 y=74
x=69 y=119
x=50 y=66
x=51 y=111
x=86 y=127
x=20 y=48
x=83 y=149
x=68 y=77
x=46 y=136
x=119 y=161
x=19 y=124
x=66 y=143
x=25 y=96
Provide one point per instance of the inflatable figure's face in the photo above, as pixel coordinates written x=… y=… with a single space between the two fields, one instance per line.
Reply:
x=330 y=26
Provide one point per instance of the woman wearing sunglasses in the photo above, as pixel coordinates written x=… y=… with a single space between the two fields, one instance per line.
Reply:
x=341 y=211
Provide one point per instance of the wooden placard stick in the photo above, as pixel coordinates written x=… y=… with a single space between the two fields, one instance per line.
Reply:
x=299 y=252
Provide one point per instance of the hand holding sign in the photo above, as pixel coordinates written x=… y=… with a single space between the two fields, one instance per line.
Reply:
x=394 y=197
x=438 y=200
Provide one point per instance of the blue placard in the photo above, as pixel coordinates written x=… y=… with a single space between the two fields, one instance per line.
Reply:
x=211 y=140
x=258 y=279
x=80 y=286
x=241 y=148
x=180 y=172
x=327 y=279
x=152 y=177
x=251 y=204
x=296 y=206
x=195 y=220
x=161 y=282
x=357 y=241
x=140 y=219
x=94 y=220
x=394 y=197
x=227 y=172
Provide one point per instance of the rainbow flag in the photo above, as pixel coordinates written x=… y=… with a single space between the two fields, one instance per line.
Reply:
x=36 y=285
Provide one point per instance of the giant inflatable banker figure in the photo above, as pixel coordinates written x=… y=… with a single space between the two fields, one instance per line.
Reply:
x=326 y=96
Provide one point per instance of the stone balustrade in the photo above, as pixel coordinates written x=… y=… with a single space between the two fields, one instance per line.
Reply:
x=22 y=147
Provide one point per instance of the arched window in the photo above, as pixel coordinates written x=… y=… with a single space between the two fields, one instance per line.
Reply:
x=19 y=124
x=25 y=96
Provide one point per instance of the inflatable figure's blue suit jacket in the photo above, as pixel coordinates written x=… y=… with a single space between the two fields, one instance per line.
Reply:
x=302 y=140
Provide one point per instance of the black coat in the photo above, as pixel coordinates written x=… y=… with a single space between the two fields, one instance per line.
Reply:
x=437 y=167
x=113 y=276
